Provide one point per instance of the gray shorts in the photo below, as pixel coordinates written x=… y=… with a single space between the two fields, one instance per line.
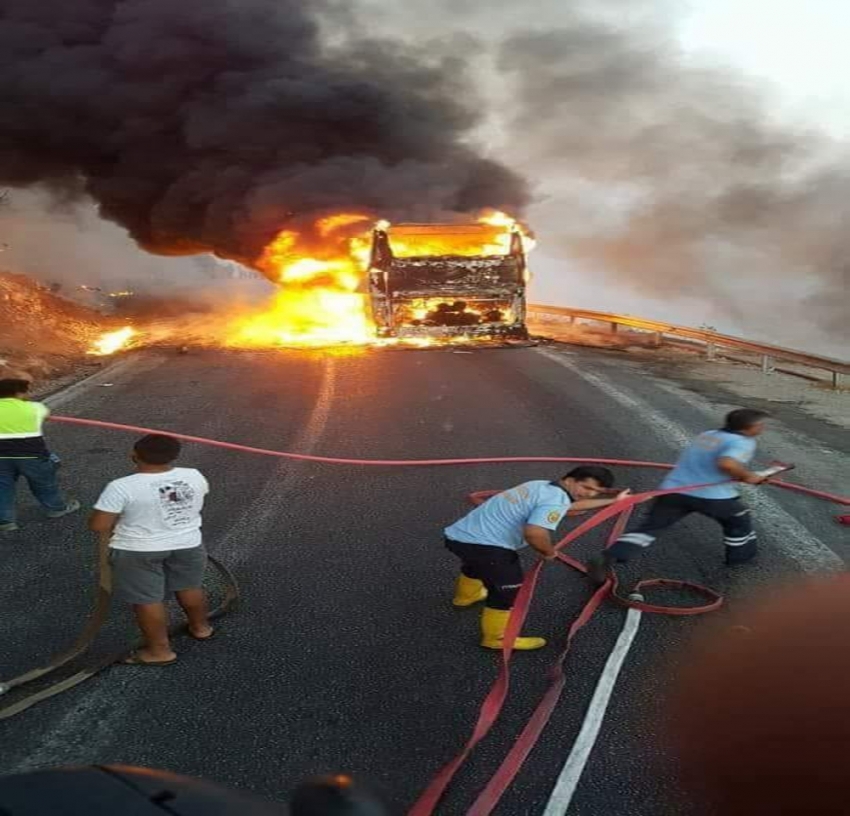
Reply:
x=151 y=577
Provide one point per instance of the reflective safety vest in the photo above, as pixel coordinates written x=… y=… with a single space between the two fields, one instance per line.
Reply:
x=20 y=429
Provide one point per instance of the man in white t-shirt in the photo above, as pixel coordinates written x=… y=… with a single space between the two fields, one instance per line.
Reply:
x=153 y=521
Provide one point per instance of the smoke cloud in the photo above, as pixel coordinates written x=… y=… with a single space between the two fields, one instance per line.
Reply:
x=674 y=179
x=209 y=125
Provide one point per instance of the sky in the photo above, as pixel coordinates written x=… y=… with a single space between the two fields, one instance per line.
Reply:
x=798 y=45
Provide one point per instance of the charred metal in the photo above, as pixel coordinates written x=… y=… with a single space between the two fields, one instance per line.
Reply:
x=447 y=295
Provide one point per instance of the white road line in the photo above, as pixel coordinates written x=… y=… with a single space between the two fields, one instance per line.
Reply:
x=270 y=505
x=795 y=439
x=568 y=779
x=792 y=538
x=110 y=372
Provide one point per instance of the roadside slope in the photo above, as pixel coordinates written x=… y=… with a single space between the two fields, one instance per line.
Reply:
x=43 y=335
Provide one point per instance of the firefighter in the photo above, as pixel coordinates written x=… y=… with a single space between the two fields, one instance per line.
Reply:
x=488 y=538
x=23 y=452
x=716 y=458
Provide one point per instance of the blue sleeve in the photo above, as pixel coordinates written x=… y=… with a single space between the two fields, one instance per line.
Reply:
x=741 y=449
x=547 y=516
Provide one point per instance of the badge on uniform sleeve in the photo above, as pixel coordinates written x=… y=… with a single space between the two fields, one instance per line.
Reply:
x=554 y=517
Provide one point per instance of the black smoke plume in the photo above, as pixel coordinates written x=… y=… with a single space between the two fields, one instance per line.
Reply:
x=210 y=125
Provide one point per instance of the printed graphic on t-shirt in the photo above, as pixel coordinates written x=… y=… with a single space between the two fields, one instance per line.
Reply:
x=177 y=502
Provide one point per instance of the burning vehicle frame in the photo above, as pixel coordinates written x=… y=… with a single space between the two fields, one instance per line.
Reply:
x=444 y=281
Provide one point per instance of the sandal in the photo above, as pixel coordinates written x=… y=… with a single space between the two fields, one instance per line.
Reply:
x=135 y=660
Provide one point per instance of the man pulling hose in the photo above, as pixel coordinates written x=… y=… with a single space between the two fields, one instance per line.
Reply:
x=717 y=459
x=488 y=538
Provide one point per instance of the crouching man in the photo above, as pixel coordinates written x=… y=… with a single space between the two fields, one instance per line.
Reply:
x=488 y=538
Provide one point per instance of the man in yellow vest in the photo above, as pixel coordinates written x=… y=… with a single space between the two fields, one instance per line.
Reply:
x=23 y=452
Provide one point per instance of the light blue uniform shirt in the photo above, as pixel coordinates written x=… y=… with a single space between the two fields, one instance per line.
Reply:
x=698 y=463
x=500 y=521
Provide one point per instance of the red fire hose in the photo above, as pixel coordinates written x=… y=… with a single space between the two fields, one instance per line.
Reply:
x=493 y=703
x=329 y=460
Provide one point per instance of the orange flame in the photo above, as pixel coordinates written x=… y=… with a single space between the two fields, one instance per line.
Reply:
x=319 y=304
x=321 y=271
x=114 y=341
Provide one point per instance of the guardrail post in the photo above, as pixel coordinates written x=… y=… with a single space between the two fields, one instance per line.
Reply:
x=767 y=364
x=836 y=380
x=710 y=351
x=614 y=328
x=656 y=340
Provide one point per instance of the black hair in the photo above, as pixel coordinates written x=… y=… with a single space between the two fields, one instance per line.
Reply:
x=743 y=418
x=601 y=474
x=157 y=449
x=9 y=387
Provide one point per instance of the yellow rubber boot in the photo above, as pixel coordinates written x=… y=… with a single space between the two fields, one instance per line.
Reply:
x=493 y=625
x=468 y=591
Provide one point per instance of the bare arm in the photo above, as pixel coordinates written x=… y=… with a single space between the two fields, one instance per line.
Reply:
x=735 y=470
x=539 y=539
x=583 y=506
x=103 y=523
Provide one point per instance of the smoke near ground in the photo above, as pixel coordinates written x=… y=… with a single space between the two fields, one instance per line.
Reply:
x=79 y=256
x=209 y=125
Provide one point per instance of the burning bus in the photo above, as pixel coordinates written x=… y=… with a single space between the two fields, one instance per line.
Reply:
x=448 y=281
x=345 y=283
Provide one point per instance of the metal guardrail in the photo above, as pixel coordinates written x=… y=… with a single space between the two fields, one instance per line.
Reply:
x=711 y=340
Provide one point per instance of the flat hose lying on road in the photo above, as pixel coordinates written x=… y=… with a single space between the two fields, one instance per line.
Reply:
x=85 y=639
x=493 y=704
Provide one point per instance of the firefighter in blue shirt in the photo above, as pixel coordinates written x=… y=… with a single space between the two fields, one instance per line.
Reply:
x=487 y=539
x=718 y=459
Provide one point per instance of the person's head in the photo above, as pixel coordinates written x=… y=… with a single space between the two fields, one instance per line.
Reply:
x=745 y=421
x=157 y=450
x=13 y=388
x=586 y=481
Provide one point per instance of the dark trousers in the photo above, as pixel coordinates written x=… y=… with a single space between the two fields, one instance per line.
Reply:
x=496 y=567
x=41 y=478
x=732 y=515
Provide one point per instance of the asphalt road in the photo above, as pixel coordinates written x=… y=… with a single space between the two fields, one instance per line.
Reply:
x=346 y=654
